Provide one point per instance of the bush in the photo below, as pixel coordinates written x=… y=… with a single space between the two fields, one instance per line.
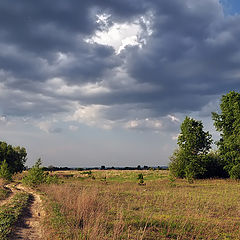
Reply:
x=200 y=166
x=235 y=172
x=5 y=171
x=51 y=179
x=214 y=166
x=140 y=178
x=35 y=175
x=178 y=164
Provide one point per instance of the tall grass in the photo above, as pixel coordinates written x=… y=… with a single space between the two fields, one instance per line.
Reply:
x=84 y=210
x=93 y=209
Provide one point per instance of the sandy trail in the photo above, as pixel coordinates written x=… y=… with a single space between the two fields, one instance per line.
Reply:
x=29 y=226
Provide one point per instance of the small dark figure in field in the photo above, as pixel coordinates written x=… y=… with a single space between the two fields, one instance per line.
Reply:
x=140 y=178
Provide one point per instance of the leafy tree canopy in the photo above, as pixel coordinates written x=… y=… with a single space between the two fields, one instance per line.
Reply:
x=191 y=157
x=15 y=156
x=228 y=123
x=192 y=139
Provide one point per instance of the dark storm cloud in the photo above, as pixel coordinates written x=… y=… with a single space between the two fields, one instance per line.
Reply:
x=33 y=34
x=191 y=57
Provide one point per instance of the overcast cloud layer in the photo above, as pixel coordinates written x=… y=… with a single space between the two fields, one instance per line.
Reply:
x=62 y=63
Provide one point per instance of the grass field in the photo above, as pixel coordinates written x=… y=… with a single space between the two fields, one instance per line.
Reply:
x=110 y=204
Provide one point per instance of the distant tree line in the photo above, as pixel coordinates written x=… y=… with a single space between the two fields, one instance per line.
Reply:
x=195 y=158
x=53 y=168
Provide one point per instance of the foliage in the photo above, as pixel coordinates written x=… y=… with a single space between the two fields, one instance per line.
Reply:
x=89 y=173
x=140 y=178
x=35 y=175
x=188 y=161
x=178 y=163
x=51 y=179
x=4 y=171
x=4 y=193
x=204 y=166
x=214 y=166
x=235 y=172
x=9 y=214
x=228 y=123
x=172 y=180
x=14 y=156
x=192 y=139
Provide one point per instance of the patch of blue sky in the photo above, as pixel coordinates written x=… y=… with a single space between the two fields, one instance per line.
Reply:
x=231 y=7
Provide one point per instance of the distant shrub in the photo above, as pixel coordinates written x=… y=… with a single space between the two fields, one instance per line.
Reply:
x=51 y=179
x=89 y=173
x=140 y=178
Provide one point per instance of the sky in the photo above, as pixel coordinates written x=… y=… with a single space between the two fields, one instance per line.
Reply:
x=90 y=83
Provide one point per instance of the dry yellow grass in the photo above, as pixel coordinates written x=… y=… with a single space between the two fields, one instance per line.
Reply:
x=99 y=209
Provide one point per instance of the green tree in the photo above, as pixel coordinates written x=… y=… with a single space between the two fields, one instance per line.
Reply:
x=194 y=144
x=4 y=171
x=35 y=175
x=228 y=124
x=14 y=156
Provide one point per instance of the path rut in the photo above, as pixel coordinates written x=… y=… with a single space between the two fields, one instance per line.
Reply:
x=29 y=226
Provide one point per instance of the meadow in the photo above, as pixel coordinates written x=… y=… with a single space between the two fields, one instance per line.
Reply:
x=110 y=204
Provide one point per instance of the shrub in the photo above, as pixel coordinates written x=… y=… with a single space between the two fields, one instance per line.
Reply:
x=214 y=166
x=235 y=172
x=5 y=171
x=51 y=179
x=35 y=175
x=178 y=164
x=140 y=178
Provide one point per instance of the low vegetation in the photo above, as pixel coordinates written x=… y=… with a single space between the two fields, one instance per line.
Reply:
x=36 y=176
x=4 y=193
x=11 y=212
x=120 y=208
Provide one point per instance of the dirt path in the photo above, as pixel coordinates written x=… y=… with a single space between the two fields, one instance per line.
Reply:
x=29 y=228
x=13 y=192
